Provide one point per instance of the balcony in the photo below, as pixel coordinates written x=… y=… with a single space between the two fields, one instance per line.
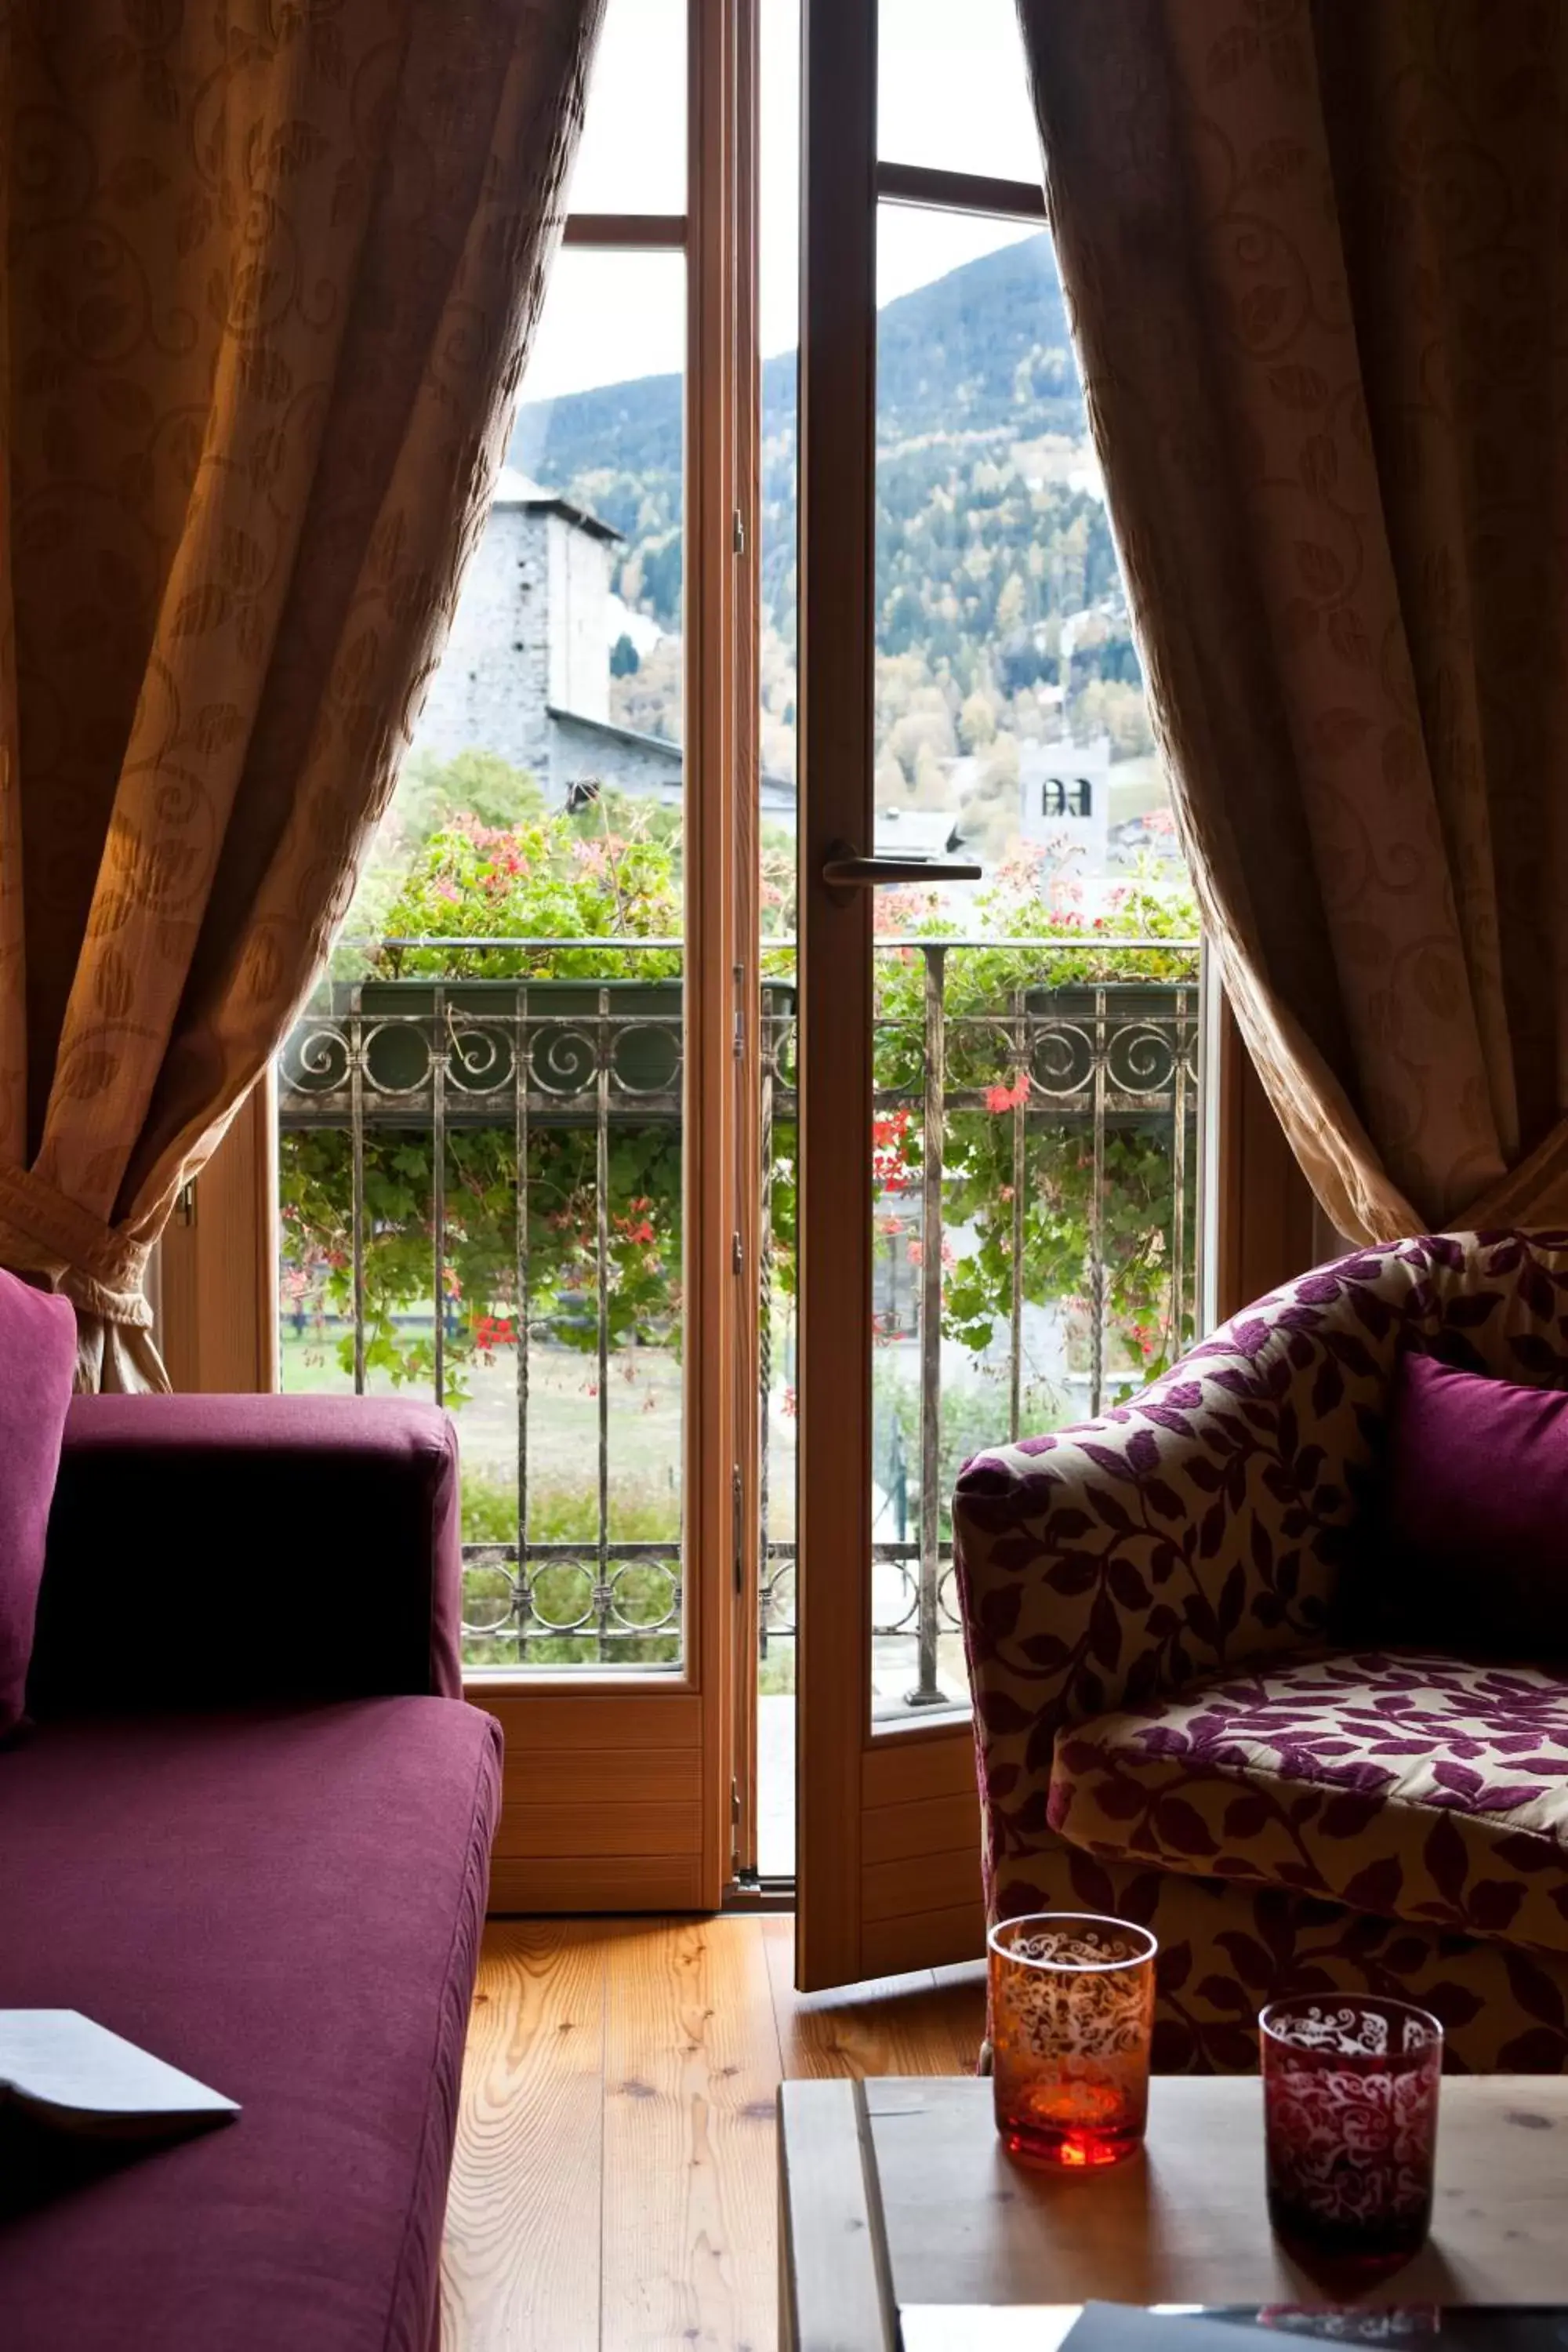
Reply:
x=482 y=1199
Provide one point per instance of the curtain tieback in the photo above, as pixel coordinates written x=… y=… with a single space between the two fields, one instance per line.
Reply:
x=100 y=1270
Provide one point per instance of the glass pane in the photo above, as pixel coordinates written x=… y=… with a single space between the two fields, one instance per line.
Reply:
x=1035 y=1173
x=951 y=88
x=779 y=300
x=481 y=1146
x=632 y=158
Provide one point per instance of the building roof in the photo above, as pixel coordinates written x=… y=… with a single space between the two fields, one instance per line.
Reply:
x=930 y=833
x=514 y=488
x=777 y=791
x=659 y=744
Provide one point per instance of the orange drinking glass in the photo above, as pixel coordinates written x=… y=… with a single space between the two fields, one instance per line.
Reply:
x=1072 y=2013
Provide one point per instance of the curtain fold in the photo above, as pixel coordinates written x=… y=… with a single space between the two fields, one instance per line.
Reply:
x=271 y=275
x=1316 y=252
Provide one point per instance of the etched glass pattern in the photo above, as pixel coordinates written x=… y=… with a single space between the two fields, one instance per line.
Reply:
x=1349 y=2105
x=1072 y=2005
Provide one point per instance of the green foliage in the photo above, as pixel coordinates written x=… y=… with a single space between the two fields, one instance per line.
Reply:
x=563 y=1511
x=624 y=659
x=611 y=872
x=481 y=1306
x=1062 y=1203
x=974 y=1415
x=476 y=787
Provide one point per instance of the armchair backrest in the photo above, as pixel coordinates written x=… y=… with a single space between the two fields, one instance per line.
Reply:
x=1493 y=1303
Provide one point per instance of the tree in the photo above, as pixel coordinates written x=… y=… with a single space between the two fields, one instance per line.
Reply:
x=433 y=794
x=624 y=659
x=930 y=780
x=976 y=721
x=1119 y=711
x=990 y=808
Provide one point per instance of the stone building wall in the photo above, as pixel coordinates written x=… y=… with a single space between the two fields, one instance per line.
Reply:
x=526 y=672
x=491 y=692
x=529 y=634
x=612 y=755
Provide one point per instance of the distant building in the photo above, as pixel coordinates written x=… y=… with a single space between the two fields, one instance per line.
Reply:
x=930 y=834
x=526 y=672
x=1064 y=797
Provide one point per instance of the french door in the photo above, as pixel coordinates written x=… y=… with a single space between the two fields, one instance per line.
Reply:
x=999 y=973
x=926 y=1172
x=888 y=1831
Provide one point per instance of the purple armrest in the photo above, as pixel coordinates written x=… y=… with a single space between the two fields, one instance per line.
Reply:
x=216 y=1551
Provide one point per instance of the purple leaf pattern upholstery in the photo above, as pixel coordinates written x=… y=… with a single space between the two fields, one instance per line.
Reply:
x=1171 y=1723
x=1227 y=1948
x=1408 y=1785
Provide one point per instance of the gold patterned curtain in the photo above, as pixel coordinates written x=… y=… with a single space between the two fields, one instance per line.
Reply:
x=271 y=270
x=1317 y=252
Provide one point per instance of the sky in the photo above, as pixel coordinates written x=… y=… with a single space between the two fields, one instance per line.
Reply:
x=952 y=93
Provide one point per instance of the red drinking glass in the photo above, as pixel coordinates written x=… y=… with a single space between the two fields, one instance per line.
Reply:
x=1350 y=2124
x=1072 y=2014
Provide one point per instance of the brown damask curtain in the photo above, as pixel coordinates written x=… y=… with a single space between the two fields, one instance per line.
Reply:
x=1317 y=256
x=271 y=270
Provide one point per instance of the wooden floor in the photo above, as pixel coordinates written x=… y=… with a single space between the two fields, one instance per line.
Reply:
x=613 y=2185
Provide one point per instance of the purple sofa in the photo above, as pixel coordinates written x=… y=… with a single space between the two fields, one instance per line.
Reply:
x=248 y=1824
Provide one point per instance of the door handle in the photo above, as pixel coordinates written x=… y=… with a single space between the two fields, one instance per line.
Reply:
x=842 y=869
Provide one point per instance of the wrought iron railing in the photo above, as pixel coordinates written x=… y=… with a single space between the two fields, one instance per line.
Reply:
x=1071 y=1070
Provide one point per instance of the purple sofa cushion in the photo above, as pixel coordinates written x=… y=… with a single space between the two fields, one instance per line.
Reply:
x=1473 y=1522
x=37 y=1361
x=289 y=1905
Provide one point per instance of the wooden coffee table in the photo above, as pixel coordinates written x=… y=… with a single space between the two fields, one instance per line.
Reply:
x=896 y=2192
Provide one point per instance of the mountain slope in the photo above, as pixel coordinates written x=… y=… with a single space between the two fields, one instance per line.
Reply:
x=985 y=347
x=986 y=527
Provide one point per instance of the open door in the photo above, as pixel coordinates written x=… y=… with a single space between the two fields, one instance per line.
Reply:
x=998 y=974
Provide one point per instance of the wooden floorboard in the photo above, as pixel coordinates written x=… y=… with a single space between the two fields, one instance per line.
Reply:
x=520 y=2258
x=895 y=2025
x=614 y=2186
x=691 y=2062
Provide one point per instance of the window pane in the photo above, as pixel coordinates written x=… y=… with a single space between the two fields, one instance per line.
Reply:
x=633 y=156
x=951 y=88
x=1034 y=1186
x=510 y=1149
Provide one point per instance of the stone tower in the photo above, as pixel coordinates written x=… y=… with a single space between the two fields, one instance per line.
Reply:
x=528 y=647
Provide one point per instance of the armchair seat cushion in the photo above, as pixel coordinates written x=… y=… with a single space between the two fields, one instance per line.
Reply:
x=1401 y=1783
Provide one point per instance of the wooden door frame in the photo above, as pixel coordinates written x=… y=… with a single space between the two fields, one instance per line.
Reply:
x=1265 y=1220
x=887 y=1821
x=837 y=571
x=742 y=406
x=620 y=1792
x=214 y=1292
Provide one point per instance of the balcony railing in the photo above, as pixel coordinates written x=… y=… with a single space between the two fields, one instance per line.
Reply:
x=1082 y=1094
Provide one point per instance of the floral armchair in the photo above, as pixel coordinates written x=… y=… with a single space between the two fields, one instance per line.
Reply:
x=1182 y=1718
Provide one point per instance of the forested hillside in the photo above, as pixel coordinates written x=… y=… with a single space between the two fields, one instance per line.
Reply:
x=989 y=532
